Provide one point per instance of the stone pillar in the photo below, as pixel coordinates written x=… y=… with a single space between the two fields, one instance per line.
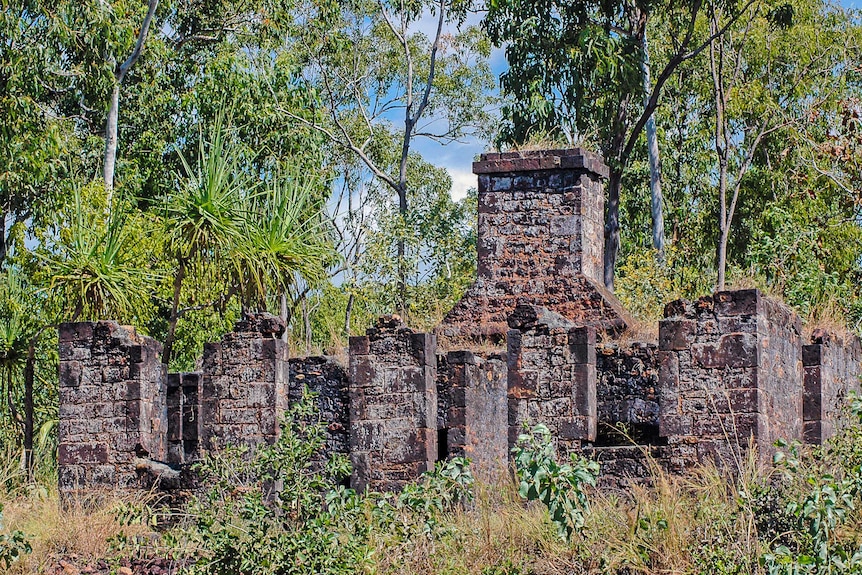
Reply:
x=183 y=417
x=833 y=365
x=393 y=405
x=472 y=417
x=731 y=372
x=112 y=405
x=540 y=240
x=244 y=384
x=551 y=377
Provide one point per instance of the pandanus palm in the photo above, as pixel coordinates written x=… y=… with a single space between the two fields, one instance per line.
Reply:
x=285 y=237
x=19 y=332
x=96 y=270
x=204 y=216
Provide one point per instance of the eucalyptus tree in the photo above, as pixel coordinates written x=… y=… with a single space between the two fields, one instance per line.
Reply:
x=383 y=82
x=120 y=72
x=575 y=69
x=776 y=71
x=32 y=137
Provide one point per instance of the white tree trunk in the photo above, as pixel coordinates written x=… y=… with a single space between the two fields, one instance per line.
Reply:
x=110 y=159
x=657 y=207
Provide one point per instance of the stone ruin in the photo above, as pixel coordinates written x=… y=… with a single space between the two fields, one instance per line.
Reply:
x=537 y=338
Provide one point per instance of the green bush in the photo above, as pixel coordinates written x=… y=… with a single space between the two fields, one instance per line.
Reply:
x=559 y=487
x=832 y=498
x=281 y=510
x=12 y=546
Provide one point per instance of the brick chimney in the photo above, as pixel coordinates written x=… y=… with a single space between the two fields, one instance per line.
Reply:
x=540 y=241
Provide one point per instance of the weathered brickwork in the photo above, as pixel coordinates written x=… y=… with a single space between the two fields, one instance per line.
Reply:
x=472 y=415
x=393 y=405
x=627 y=391
x=540 y=239
x=244 y=384
x=112 y=405
x=183 y=392
x=731 y=372
x=728 y=369
x=833 y=364
x=324 y=377
x=551 y=376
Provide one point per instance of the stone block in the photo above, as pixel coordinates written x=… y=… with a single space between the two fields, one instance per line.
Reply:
x=76 y=454
x=739 y=302
x=731 y=350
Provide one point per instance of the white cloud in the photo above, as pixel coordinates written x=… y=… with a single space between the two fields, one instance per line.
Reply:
x=462 y=180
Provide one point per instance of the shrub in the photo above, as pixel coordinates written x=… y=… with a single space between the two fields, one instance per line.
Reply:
x=559 y=487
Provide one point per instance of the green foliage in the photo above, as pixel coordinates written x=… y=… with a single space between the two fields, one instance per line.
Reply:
x=94 y=264
x=832 y=499
x=12 y=546
x=562 y=488
x=280 y=509
x=645 y=284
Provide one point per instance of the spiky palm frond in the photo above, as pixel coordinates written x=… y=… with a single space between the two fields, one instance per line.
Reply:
x=97 y=271
x=285 y=236
x=205 y=215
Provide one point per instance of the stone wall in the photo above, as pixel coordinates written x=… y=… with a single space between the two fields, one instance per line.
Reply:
x=244 y=384
x=627 y=392
x=731 y=372
x=183 y=392
x=540 y=239
x=324 y=377
x=833 y=364
x=112 y=405
x=393 y=405
x=551 y=377
x=472 y=413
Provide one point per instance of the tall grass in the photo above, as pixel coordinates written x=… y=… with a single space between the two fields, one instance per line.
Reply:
x=708 y=522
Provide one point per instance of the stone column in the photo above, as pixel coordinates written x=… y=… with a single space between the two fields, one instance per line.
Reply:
x=112 y=405
x=833 y=365
x=393 y=405
x=321 y=375
x=540 y=240
x=551 y=377
x=244 y=384
x=731 y=372
x=472 y=419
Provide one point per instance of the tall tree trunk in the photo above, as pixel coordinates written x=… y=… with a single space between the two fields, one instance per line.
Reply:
x=175 y=315
x=402 y=252
x=347 y=313
x=111 y=143
x=722 y=145
x=612 y=226
x=657 y=207
x=283 y=304
x=306 y=324
x=110 y=158
x=29 y=379
x=3 y=244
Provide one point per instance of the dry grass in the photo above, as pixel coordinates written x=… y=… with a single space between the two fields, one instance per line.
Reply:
x=498 y=534
x=670 y=525
x=829 y=317
x=81 y=531
x=483 y=347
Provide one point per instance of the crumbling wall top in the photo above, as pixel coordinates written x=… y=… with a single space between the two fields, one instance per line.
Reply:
x=260 y=323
